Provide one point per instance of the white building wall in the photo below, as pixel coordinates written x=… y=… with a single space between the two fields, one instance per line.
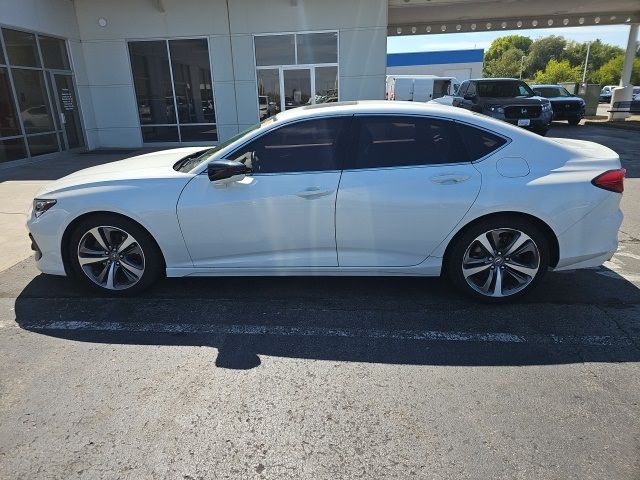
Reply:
x=462 y=71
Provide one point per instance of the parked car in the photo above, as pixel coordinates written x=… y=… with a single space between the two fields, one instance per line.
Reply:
x=419 y=88
x=606 y=92
x=506 y=99
x=565 y=106
x=354 y=188
x=636 y=93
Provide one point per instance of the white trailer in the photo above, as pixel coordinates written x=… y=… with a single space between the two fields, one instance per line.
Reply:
x=419 y=88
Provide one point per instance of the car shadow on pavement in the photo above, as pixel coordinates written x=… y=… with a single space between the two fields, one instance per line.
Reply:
x=584 y=316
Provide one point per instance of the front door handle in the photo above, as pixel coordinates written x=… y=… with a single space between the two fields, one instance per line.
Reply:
x=313 y=192
x=450 y=179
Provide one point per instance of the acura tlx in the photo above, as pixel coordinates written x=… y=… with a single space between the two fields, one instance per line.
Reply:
x=352 y=188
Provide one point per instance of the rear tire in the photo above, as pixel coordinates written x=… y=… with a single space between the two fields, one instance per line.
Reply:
x=498 y=259
x=114 y=255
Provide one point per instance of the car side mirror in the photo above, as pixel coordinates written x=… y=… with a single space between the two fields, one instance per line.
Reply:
x=226 y=169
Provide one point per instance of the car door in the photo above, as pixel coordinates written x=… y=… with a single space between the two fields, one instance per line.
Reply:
x=406 y=184
x=282 y=214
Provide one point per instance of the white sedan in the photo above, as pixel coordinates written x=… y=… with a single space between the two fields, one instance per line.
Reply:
x=355 y=188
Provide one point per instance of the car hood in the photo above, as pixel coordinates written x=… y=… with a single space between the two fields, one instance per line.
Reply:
x=150 y=165
x=512 y=101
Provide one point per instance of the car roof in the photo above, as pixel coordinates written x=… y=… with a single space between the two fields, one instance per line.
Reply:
x=545 y=85
x=496 y=80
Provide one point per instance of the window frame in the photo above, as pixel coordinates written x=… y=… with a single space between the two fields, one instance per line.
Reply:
x=296 y=65
x=355 y=135
x=175 y=100
x=340 y=154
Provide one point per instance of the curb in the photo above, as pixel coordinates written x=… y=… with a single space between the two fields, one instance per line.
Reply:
x=634 y=127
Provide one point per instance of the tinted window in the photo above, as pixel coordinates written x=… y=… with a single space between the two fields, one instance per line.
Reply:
x=275 y=50
x=479 y=142
x=300 y=147
x=471 y=89
x=21 y=48
x=317 y=48
x=54 y=53
x=391 y=141
x=504 y=89
x=463 y=89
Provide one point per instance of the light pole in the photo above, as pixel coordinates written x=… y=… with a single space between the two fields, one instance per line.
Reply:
x=586 y=61
x=522 y=65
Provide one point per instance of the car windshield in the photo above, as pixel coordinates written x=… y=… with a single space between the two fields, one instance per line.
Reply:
x=504 y=89
x=189 y=163
x=552 y=92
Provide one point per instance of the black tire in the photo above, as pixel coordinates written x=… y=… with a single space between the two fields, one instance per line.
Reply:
x=464 y=241
x=152 y=261
x=574 y=121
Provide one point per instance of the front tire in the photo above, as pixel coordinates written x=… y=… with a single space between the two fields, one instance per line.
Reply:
x=498 y=259
x=574 y=121
x=114 y=255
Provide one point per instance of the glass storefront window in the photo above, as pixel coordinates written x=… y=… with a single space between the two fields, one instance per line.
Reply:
x=54 y=53
x=326 y=84
x=9 y=126
x=12 y=149
x=268 y=92
x=317 y=48
x=172 y=80
x=21 y=48
x=32 y=100
x=41 y=144
x=275 y=50
x=192 y=80
x=297 y=88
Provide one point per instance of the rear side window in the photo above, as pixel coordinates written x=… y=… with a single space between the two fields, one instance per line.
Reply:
x=301 y=147
x=397 y=141
x=479 y=143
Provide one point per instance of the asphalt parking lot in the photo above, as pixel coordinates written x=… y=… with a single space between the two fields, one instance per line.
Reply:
x=328 y=377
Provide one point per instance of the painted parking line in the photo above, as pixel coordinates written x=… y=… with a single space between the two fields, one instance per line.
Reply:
x=306 y=331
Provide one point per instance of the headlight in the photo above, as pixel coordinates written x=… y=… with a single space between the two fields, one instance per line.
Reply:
x=41 y=205
x=546 y=107
x=496 y=108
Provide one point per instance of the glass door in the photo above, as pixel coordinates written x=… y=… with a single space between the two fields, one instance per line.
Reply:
x=296 y=84
x=67 y=106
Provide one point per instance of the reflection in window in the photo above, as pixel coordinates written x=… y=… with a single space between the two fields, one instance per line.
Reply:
x=297 y=88
x=32 y=100
x=8 y=115
x=192 y=80
x=268 y=92
x=21 y=48
x=198 y=133
x=317 y=48
x=326 y=84
x=152 y=81
x=12 y=149
x=54 y=53
x=41 y=144
x=275 y=50
x=160 y=134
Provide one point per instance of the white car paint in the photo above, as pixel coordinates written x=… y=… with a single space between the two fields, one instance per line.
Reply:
x=388 y=221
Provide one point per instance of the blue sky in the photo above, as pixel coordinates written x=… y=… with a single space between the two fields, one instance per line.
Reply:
x=612 y=34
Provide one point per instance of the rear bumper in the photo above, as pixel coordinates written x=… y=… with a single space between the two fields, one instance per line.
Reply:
x=594 y=239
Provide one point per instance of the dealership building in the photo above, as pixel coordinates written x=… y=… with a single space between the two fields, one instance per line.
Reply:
x=88 y=74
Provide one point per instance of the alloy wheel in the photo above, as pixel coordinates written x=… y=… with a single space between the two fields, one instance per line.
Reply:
x=111 y=257
x=501 y=262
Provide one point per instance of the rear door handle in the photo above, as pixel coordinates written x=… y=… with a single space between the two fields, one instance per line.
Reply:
x=450 y=179
x=313 y=192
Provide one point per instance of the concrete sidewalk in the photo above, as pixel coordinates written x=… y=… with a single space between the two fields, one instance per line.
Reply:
x=20 y=183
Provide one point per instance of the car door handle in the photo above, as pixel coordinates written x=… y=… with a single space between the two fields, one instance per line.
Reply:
x=313 y=192
x=450 y=179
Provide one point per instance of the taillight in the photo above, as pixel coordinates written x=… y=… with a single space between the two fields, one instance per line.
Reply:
x=612 y=180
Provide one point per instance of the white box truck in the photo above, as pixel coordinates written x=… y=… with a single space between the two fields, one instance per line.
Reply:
x=420 y=88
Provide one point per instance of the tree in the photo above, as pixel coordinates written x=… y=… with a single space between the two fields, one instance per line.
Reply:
x=599 y=54
x=543 y=50
x=558 y=71
x=507 y=65
x=502 y=44
x=610 y=72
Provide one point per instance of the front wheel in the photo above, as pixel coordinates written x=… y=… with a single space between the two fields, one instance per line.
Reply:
x=498 y=259
x=574 y=121
x=114 y=255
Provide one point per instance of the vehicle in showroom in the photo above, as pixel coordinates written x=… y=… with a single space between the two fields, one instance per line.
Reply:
x=565 y=106
x=354 y=188
x=506 y=99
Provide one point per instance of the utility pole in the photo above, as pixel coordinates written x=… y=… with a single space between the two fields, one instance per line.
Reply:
x=586 y=61
x=522 y=65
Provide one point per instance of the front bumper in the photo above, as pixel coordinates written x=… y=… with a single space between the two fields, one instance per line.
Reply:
x=568 y=114
x=543 y=122
x=46 y=240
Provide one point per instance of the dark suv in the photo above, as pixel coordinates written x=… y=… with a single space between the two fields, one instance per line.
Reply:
x=506 y=99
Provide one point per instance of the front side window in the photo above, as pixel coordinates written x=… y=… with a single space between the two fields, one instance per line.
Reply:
x=300 y=147
x=395 y=141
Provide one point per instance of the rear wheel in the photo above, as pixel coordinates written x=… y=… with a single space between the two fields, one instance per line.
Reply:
x=114 y=255
x=498 y=259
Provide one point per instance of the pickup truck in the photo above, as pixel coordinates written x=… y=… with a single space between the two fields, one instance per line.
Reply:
x=507 y=99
